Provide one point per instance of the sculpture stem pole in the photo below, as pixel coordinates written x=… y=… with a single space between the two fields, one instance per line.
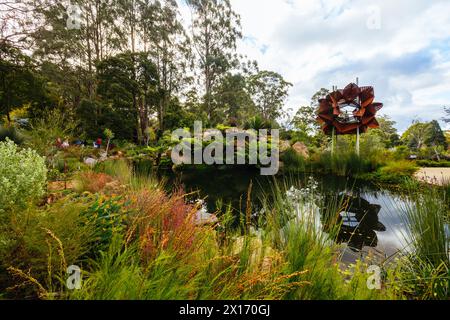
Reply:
x=357 y=141
x=357 y=129
x=332 y=142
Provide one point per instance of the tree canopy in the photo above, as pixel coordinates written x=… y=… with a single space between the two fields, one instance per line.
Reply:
x=131 y=65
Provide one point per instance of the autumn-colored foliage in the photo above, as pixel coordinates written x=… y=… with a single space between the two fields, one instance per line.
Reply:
x=162 y=221
x=93 y=182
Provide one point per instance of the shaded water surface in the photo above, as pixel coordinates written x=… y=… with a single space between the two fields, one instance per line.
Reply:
x=372 y=221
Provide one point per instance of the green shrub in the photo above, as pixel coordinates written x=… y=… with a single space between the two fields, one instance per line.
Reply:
x=395 y=172
x=346 y=163
x=106 y=217
x=433 y=164
x=119 y=169
x=257 y=123
x=401 y=153
x=223 y=127
x=11 y=133
x=46 y=130
x=23 y=175
x=293 y=161
x=41 y=244
x=399 y=168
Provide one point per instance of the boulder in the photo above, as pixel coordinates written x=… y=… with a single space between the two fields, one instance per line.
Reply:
x=202 y=217
x=90 y=161
x=301 y=149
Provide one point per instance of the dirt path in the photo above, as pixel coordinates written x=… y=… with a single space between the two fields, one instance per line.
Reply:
x=437 y=176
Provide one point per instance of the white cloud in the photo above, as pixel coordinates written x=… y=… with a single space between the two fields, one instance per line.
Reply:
x=318 y=43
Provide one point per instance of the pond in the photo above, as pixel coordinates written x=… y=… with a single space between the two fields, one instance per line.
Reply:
x=372 y=222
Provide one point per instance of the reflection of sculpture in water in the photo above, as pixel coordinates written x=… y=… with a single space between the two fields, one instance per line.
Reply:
x=359 y=222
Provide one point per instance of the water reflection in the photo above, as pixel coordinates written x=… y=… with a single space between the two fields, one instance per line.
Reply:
x=371 y=219
x=359 y=221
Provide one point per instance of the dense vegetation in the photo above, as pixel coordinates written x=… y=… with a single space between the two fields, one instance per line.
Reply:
x=132 y=240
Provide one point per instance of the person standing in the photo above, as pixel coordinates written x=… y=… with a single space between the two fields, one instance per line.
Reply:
x=98 y=143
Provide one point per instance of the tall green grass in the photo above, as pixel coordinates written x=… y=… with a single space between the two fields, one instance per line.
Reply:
x=303 y=225
x=156 y=251
x=287 y=256
x=293 y=162
x=426 y=273
x=345 y=163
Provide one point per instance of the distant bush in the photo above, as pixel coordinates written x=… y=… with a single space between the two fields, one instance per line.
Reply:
x=223 y=127
x=46 y=130
x=92 y=181
x=11 y=133
x=433 y=164
x=396 y=172
x=399 y=168
x=257 y=123
x=401 y=153
x=23 y=175
x=118 y=169
x=346 y=163
x=292 y=161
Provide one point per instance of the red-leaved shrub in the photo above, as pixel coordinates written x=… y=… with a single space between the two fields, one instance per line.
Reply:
x=162 y=222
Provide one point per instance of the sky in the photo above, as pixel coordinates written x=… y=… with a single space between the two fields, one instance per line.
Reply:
x=401 y=48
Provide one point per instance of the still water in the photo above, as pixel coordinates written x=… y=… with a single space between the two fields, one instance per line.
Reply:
x=373 y=221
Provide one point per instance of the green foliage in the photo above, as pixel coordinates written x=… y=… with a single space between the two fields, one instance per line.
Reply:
x=179 y=116
x=427 y=268
x=306 y=127
x=345 y=163
x=404 y=168
x=11 y=133
x=88 y=113
x=269 y=91
x=106 y=217
x=115 y=275
x=420 y=135
x=216 y=29
x=372 y=147
x=119 y=169
x=386 y=132
x=433 y=164
x=47 y=129
x=396 y=172
x=305 y=121
x=222 y=127
x=433 y=152
x=123 y=80
x=232 y=95
x=19 y=83
x=257 y=123
x=23 y=176
x=401 y=153
x=108 y=134
x=42 y=243
x=436 y=135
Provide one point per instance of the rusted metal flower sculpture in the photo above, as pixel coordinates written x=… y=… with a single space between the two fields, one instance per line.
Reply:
x=348 y=109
